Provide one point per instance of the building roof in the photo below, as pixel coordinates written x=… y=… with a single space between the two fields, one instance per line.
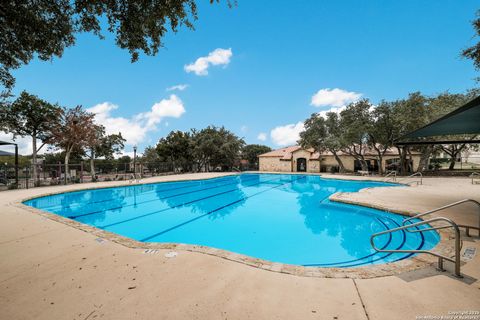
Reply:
x=281 y=152
x=287 y=153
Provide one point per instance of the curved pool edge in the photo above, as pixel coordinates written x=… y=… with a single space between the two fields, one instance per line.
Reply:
x=444 y=246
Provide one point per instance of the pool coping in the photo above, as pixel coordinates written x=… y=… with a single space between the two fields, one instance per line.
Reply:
x=420 y=261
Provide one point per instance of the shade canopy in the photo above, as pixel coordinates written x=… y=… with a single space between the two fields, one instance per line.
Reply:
x=464 y=120
x=4 y=143
x=6 y=153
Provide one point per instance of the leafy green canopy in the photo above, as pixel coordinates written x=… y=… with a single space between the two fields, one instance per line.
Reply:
x=473 y=52
x=208 y=148
x=176 y=147
x=216 y=147
x=46 y=27
x=29 y=116
x=251 y=152
x=103 y=145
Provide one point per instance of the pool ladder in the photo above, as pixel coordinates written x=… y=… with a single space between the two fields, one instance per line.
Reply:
x=392 y=176
x=416 y=174
x=451 y=224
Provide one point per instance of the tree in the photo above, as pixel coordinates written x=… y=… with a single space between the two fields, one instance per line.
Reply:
x=473 y=52
x=356 y=123
x=30 y=116
x=101 y=145
x=216 y=147
x=207 y=148
x=44 y=28
x=59 y=157
x=150 y=154
x=176 y=148
x=408 y=115
x=454 y=151
x=124 y=159
x=323 y=134
x=77 y=130
x=381 y=132
x=150 y=158
x=251 y=152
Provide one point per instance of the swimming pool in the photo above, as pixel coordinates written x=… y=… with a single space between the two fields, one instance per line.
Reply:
x=277 y=217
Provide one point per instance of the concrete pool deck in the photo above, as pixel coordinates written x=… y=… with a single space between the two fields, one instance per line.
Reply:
x=49 y=270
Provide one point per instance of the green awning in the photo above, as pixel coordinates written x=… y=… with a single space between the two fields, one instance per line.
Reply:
x=464 y=120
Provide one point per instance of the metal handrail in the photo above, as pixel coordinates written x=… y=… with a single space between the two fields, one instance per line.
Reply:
x=134 y=178
x=394 y=173
x=473 y=176
x=456 y=261
x=414 y=175
x=446 y=207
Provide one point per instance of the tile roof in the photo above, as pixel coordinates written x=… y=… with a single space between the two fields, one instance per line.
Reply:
x=281 y=152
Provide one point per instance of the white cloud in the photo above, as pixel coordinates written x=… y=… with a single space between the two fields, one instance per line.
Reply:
x=288 y=134
x=244 y=129
x=135 y=129
x=179 y=87
x=333 y=97
x=216 y=57
x=340 y=109
x=262 y=136
x=171 y=107
x=335 y=110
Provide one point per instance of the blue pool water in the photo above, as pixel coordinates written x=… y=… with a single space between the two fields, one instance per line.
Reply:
x=277 y=217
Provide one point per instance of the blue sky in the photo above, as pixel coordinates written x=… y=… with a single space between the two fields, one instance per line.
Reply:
x=282 y=54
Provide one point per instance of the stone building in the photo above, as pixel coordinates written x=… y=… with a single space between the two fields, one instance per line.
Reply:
x=297 y=159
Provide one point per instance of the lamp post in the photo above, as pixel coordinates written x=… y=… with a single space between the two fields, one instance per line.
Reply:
x=135 y=162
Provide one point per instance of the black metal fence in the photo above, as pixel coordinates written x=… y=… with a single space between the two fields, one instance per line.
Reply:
x=56 y=174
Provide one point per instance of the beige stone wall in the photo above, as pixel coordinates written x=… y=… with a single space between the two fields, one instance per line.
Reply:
x=329 y=161
x=312 y=165
x=274 y=164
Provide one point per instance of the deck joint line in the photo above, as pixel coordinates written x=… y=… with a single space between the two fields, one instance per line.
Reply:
x=361 y=300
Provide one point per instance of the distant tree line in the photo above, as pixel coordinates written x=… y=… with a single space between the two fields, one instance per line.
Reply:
x=362 y=127
x=211 y=148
